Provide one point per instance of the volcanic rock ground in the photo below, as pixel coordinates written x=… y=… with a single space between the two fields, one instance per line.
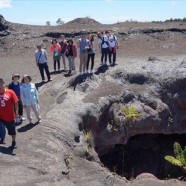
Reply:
x=48 y=153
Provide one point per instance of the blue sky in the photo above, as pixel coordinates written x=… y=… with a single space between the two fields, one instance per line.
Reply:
x=37 y=12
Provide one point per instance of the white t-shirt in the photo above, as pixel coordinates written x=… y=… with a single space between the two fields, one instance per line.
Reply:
x=41 y=56
x=105 y=44
x=112 y=40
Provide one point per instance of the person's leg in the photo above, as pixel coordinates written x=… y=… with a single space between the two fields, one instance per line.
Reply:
x=105 y=54
x=102 y=55
x=92 y=61
x=64 y=62
x=41 y=69
x=47 y=71
x=20 y=108
x=70 y=64
x=2 y=132
x=36 y=111
x=84 y=62
x=11 y=131
x=58 y=64
x=73 y=65
x=81 y=63
x=114 y=56
x=28 y=113
x=54 y=64
x=110 y=56
x=88 y=60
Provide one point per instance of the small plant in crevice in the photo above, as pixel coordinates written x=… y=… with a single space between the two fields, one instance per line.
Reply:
x=68 y=159
x=130 y=113
x=180 y=157
x=127 y=115
x=88 y=140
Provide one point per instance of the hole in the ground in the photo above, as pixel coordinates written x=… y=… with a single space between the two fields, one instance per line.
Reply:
x=145 y=154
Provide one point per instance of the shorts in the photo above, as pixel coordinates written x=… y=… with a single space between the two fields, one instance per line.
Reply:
x=10 y=127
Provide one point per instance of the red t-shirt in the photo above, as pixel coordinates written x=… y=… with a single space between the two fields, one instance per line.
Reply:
x=7 y=99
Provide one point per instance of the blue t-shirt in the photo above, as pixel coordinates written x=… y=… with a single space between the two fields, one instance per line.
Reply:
x=15 y=88
x=83 y=43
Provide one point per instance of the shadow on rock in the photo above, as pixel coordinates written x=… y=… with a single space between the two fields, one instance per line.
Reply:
x=27 y=127
x=57 y=72
x=7 y=150
x=102 y=69
x=40 y=84
x=80 y=79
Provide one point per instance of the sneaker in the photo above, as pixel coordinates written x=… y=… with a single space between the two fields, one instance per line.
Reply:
x=69 y=72
x=18 y=120
x=2 y=141
x=22 y=118
x=50 y=79
x=14 y=145
x=39 y=121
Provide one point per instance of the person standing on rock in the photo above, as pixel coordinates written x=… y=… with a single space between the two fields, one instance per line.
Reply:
x=91 y=54
x=83 y=45
x=55 y=48
x=15 y=86
x=8 y=112
x=104 y=46
x=71 y=54
x=113 y=46
x=41 y=62
x=63 y=43
x=29 y=97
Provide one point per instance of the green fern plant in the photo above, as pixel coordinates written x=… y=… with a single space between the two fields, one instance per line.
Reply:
x=180 y=157
x=130 y=112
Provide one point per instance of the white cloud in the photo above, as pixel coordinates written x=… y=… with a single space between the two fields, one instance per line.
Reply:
x=5 y=3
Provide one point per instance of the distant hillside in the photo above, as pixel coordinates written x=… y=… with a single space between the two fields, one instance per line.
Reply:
x=79 y=22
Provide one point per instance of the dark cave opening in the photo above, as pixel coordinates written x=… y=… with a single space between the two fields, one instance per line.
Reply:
x=145 y=154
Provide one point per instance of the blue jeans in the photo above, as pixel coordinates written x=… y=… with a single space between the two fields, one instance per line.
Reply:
x=2 y=131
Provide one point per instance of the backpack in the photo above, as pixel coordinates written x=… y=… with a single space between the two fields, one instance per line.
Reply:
x=103 y=41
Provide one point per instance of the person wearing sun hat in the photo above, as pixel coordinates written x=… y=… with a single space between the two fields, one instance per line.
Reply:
x=15 y=86
x=29 y=97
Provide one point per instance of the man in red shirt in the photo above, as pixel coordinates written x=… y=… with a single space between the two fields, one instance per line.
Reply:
x=8 y=110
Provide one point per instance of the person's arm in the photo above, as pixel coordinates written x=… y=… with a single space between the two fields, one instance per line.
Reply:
x=15 y=103
x=36 y=94
x=16 y=109
x=45 y=53
x=116 y=40
x=78 y=43
x=75 y=51
x=22 y=96
x=36 y=59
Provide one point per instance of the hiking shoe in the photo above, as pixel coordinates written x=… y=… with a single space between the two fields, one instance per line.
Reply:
x=39 y=121
x=2 y=141
x=22 y=118
x=14 y=145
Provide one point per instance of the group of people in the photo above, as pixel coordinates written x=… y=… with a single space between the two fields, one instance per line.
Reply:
x=18 y=95
x=13 y=98
x=67 y=49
